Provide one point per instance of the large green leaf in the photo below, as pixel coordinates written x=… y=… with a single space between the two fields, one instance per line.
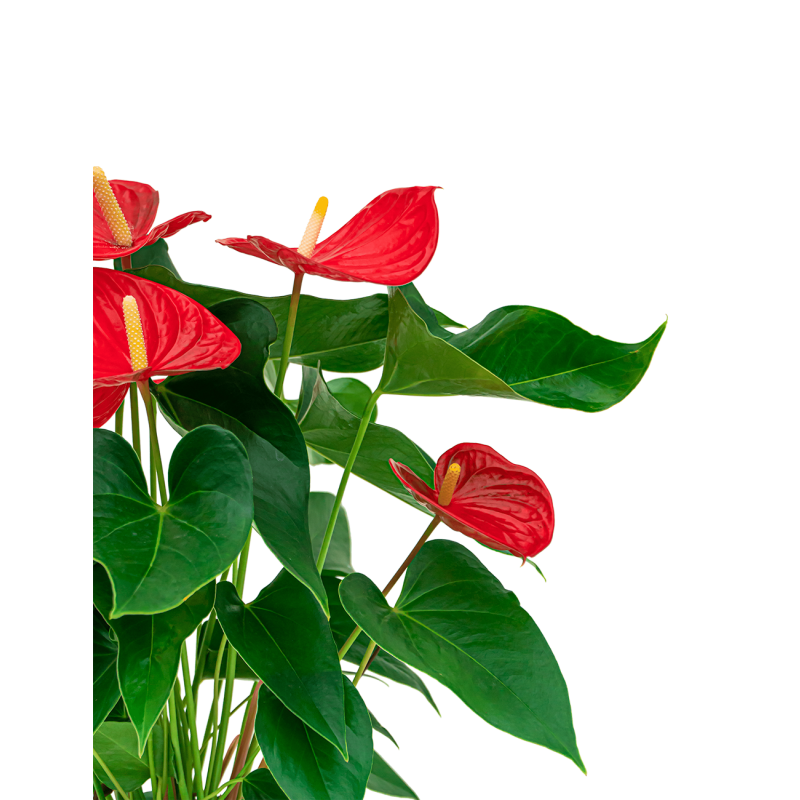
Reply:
x=330 y=429
x=116 y=744
x=383 y=664
x=154 y=254
x=243 y=672
x=156 y=556
x=337 y=562
x=260 y=785
x=238 y=400
x=150 y=650
x=284 y=637
x=354 y=395
x=515 y=352
x=303 y=763
x=105 y=686
x=384 y=780
x=456 y=622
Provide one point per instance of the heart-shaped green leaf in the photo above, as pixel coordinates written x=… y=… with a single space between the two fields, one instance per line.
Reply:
x=156 y=254
x=330 y=429
x=150 y=650
x=456 y=622
x=105 y=687
x=337 y=562
x=515 y=352
x=383 y=664
x=238 y=400
x=284 y=637
x=384 y=780
x=156 y=556
x=303 y=763
x=116 y=744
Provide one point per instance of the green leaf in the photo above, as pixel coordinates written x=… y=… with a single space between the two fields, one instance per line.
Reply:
x=238 y=400
x=260 y=785
x=337 y=562
x=303 y=763
x=353 y=395
x=243 y=672
x=156 y=254
x=456 y=622
x=376 y=726
x=516 y=352
x=156 y=556
x=330 y=429
x=384 y=780
x=284 y=637
x=150 y=650
x=105 y=687
x=116 y=744
x=383 y=664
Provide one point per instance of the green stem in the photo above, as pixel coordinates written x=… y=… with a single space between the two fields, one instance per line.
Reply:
x=165 y=762
x=245 y=736
x=98 y=787
x=151 y=762
x=191 y=713
x=152 y=459
x=137 y=444
x=364 y=661
x=349 y=642
x=294 y=302
x=176 y=746
x=216 y=792
x=239 y=582
x=156 y=451
x=119 y=418
x=348 y=468
x=212 y=714
x=110 y=774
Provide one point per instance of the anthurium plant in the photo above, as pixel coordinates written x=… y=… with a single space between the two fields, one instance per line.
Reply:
x=176 y=623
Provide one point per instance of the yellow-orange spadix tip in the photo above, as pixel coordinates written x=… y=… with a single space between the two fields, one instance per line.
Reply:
x=133 y=327
x=449 y=485
x=309 y=240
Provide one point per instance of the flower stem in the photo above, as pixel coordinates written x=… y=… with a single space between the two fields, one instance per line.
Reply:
x=137 y=444
x=156 y=451
x=110 y=774
x=212 y=714
x=348 y=468
x=364 y=661
x=176 y=746
x=152 y=764
x=294 y=302
x=190 y=711
x=165 y=762
x=245 y=737
x=98 y=787
x=126 y=263
x=119 y=418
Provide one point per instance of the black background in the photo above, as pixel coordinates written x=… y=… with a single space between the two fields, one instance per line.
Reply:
x=586 y=231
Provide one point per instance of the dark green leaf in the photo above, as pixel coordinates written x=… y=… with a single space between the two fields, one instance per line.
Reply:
x=150 y=650
x=243 y=672
x=284 y=637
x=304 y=764
x=337 y=562
x=353 y=395
x=260 y=785
x=515 y=352
x=384 y=780
x=156 y=254
x=330 y=430
x=238 y=400
x=116 y=744
x=156 y=556
x=383 y=664
x=105 y=687
x=456 y=622
x=376 y=726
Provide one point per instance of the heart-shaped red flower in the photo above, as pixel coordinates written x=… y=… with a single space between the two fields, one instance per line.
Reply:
x=179 y=336
x=497 y=503
x=390 y=241
x=139 y=203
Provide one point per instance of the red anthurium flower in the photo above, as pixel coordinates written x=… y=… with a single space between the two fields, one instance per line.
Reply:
x=390 y=241
x=143 y=329
x=495 y=502
x=124 y=212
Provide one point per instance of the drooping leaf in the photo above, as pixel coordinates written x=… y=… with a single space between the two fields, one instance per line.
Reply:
x=284 y=637
x=105 y=687
x=260 y=785
x=383 y=664
x=239 y=400
x=337 y=562
x=384 y=780
x=376 y=726
x=456 y=622
x=156 y=556
x=354 y=395
x=116 y=744
x=516 y=352
x=156 y=254
x=304 y=764
x=330 y=430
x=150 y=650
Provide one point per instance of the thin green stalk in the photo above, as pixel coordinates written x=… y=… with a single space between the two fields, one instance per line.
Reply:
x=245 y=736
x=183 y=729
x=224 y=786
x=349 y=642
x=239 y=582
x=191 y=713
x=364 y=661
x=156 y=451
x=137 y=444
x=98 y=787
x=151 y=762
x=110 y=774
x=165 y=763
x=348 y=468
x=119 y=418
x=213 y=713
x=152 y=460
x=176 y=746
x=294 y=302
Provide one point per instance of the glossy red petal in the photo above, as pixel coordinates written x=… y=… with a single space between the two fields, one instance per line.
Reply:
x=107 y=400
x=172 y=226
x=180 y=335
x=139 y=204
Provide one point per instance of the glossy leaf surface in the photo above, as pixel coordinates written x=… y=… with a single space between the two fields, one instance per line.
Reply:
x=354 y=395
x=385 y=665
x=105 y=687
x=516 y=352
x=260 y=785
x=158 y=555
x=456 y=622
x=376 y=726
x=239 y=401
x=116 y=744
x=243 y=672
x=330 y=429
x=150 y=650
x=337 y=562
x=384 y=780
x=303 y=763
x=284 y=637
x=156 y=254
